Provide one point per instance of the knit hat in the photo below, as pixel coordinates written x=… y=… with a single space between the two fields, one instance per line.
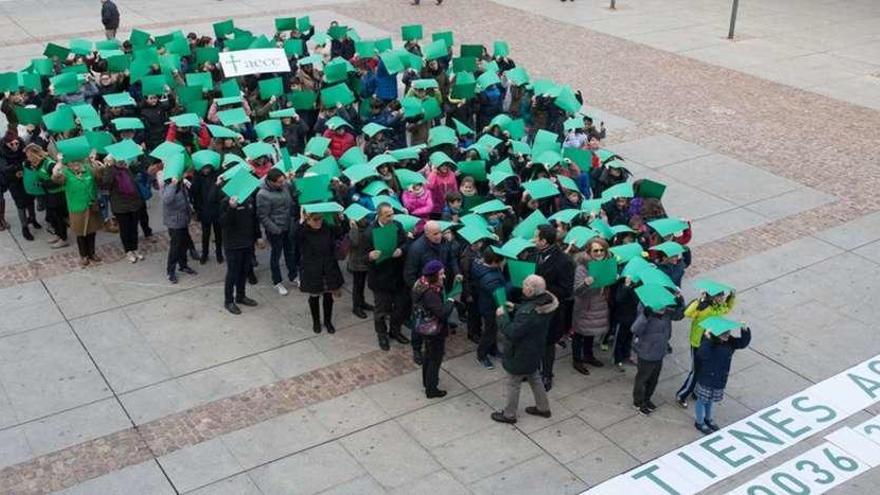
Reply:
x=432 y=267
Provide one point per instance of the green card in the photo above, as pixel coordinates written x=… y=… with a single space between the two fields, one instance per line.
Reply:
x=187 y=120
x=303 y=24
x=197 y=107
x=241 y=186
x=464 y=64
x=139 y=38
x=655 y=297
x=317 y=146
x=74 y=149
x=408 y=222
x=486 y=207
x=325 y=207
x=473 y=168
x=268 y=128
x=258 y=149
x=337 y=94
x=222 y=29
x=519 y=270
x=62 y=83
x=327 y=166
x=166 y=150
x=669 y=248
x=513 y=247
x=411 y=32
x=364 y=49
x=435 y=50
x=29 y=115
x=474 y=220
x=207 y=54
x=668 y=226
x=202 y=79
x=81 y=46
x=385 y=158
x=337 y=32
x=500 y=297
x=582 y=158
x=527 y=227
x=220 y=132
x=271 y=87
x=541 y=188
x=501 y=48
x=52 y=50
x=233 y=116
x=336 y=122
x=625 y=252
x=622 y=190
x=712 y=287
x=579 y=236
x=360 y=172
x=409 y=153
x=518 y=76
x=302 y=100
x=392 y=62
x=206 y=158
x=565 y=216
x=294 y=47
x=446 y=36
x=372 y=129
x=653 y=275
x=313 y=188
x=125 y=150
x=475 y=51
x=153 y=85
x=61 y=120
x=474 y=233
x=385 y=241
x=442 y=135
x=353 y=156
x=43 y=66
x=464 y=91
x=123 y=99
x=604 y=272
x=285 y=24
x=356 y=212
x=284 y=113
x=455 y=291
x=468 y=203
x=375 y=188
x=487 y=79
x=383 y=45
x=648 y=188
x=408 y=177
x=718 y=325
x=99 y=140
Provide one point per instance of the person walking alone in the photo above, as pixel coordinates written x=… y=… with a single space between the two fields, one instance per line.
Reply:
x=109 y=18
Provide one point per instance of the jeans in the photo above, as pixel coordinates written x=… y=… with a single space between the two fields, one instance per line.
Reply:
x=128 y=230
x=434 y=348
x=703 y=411
x=238 y=265
x=646 y=381
x=488 y=338
x=690 y=381
x=176 y=249
x=281 y=244
x=514 y=382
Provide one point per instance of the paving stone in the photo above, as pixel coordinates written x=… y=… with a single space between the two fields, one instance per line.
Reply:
x=199 y=465
x=14 y=447
x=658 y=151
x=541 y=474
x=495 y=395
x=790 y=203
x=440 y=423
x=855 y=233
x=26 y=306
x=485 y=452
x=710 y=229
x=764 y=384
x=347 y=413
x=390 y=455
x=275 y=438
x=436 y=483
x=601 y=464
x=75 y=426
x=140 y=479
x=647 y=437
x=363 y=485
x=236 y=485
x=569 y=439
x=603 y=405
x=405 y=393
x=308 y=472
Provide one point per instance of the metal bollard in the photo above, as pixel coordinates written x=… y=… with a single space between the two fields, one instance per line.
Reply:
x=733 y=19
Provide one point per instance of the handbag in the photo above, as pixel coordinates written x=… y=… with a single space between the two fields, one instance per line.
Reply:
x=425 y=323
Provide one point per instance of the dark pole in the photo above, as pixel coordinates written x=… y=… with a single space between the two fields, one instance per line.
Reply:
x=733 y=19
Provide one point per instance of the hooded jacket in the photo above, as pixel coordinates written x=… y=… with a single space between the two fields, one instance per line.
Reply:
x=525 y=333
x=486 y=279
x=439 y=185
x=653 y=331
x=274 y=208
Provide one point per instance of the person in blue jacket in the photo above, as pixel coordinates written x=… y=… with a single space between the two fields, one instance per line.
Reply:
x=715 y=355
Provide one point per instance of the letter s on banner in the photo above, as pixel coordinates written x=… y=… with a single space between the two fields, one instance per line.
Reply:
x=256 y=61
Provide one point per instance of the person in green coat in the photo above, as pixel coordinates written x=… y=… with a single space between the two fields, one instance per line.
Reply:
x=81 y=193
x=38 y=177
x=524 y=336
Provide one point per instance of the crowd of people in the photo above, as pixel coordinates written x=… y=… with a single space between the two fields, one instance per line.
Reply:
x=463 y=193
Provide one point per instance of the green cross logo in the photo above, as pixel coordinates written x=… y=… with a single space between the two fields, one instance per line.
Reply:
x=233 y=62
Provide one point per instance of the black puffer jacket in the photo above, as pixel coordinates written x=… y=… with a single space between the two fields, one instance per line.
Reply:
x=525 y=334
x=320 y=269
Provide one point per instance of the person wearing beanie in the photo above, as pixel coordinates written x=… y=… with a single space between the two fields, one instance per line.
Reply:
x=431 y=313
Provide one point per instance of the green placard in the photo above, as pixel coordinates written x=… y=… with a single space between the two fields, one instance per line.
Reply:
x=604 y=272
x=385 y=241
x=519 y=270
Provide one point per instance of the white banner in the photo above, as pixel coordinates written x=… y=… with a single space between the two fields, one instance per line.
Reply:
x=700 y=464
x=257 y=61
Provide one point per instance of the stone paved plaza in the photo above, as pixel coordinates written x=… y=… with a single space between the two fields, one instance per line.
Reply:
x=112 y=381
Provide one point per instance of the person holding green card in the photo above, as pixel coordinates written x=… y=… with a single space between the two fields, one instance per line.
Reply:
x=386 y=241
x=125 y=203
x=321 y=277
x=715 y=353
x=652 y=331
x=240 y=231
x=12 y=169
x=487 y=276
x=81 y=193
x=557 y=270
x=175 y=217
x=56 y=207
x=591 y=313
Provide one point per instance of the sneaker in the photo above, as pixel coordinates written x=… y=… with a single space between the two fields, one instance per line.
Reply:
x=682 y=403
x=172 y=277
x=59 y=244
x=704 y=429
x=604 y=347
x=130 y=256
x=644 y=410
x=534 y=411
x=282 y=290
x=138 y=255
x=620 y=367
x=486 y=363
x=711 y=424
x=650 y=405
x=501 y=418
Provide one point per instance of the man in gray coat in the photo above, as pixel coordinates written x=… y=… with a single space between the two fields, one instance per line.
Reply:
x=275 y=211
x=524 y=338
x=175 y=216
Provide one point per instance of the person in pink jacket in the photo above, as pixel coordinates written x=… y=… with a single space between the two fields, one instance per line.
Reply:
x=441 y=180
x=417 y=200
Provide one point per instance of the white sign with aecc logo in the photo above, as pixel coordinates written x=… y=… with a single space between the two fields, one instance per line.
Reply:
x=256 y=61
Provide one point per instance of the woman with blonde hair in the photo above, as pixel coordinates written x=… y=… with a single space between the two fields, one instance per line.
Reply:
x=81 y=193
x=590 y=315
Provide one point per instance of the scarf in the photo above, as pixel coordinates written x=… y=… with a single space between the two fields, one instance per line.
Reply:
x=124 y=183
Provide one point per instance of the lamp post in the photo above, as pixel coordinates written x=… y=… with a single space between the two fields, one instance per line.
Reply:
x=732 y=19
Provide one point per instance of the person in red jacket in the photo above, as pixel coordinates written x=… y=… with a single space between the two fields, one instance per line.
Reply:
x=340 y=136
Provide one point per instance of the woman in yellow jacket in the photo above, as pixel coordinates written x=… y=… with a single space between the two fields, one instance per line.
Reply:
x=715 y=300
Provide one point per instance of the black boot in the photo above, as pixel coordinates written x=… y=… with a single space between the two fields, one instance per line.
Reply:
x=315 y=309
x=397 y=335
x=381 y=333
x=328 y=313
x=26 y=233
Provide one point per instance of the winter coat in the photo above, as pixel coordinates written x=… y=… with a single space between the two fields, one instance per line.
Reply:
x=154 y=118
x=422 y=251
x=419 y=206
x=558 y=272
x=486 y=280
x=653 y=331
x=119 y=202
x=339 y=143
x=240 y=226
x=675 y=271
x=109 y=15
x=320 y=269
x=206 y=196
x=175 y=201
x=626 y=304
x=439 y=185
x=698 y=311
x=386 y=275
x=590 y=316
x=275 y=209
x=386 y=84
x=359 y=249
x=525 y=333
x=430 y=298
x=715 y=356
